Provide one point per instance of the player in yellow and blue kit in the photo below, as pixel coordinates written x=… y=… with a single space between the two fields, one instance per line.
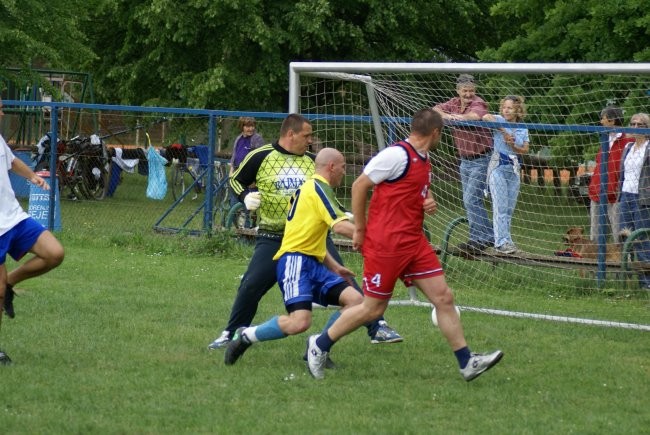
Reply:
x=306 y=272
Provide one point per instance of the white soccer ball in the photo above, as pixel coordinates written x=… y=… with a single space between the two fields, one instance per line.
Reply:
x=434 y=316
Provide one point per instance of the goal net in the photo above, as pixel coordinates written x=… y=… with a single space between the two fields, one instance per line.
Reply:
x=359 y=108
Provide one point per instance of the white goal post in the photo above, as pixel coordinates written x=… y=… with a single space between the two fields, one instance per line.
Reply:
x=359 y=108
x=296 y=69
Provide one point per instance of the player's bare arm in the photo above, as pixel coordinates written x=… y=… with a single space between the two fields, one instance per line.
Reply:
x=360 y=188
x=337 y=267
x=344 y=228
x=20 y=168
x=430 y=205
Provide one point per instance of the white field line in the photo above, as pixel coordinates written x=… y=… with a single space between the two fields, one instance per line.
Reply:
x=566 y=319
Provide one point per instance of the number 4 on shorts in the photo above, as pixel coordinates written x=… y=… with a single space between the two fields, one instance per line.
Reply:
x=375 y=280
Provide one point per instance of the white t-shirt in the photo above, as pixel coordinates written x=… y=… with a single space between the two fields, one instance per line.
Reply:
x=632 y=168
x=613 y=137
x=388 y=164
x=11 y=213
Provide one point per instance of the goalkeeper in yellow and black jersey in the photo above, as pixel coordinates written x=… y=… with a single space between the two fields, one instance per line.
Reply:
x=276 y=174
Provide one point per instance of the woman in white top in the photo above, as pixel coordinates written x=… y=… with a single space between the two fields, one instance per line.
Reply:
x=634 y=192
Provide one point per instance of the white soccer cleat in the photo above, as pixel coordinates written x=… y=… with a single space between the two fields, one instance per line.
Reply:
x=316 y=358
x=221 y=341
x=480 y=363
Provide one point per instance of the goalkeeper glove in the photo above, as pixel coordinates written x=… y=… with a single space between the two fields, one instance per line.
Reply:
x=252 y=200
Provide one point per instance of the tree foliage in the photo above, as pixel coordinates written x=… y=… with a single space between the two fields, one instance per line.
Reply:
x=575 y=31
x=234 y=54
x=49 y=34
x=572 y=31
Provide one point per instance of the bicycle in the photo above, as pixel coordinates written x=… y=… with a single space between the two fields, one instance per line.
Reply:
x=82 y=165
x=185 y=170
x=223 y=213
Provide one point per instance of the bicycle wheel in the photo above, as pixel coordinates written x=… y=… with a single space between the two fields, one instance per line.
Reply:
x=236 y=217
x=95 y=178
x=181 y=180
x=72 y=178
x=62 y=182
x=221 y=203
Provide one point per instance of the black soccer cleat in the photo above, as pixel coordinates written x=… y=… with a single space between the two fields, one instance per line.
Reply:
x=8 y=303
x=237 y=346
x=4 y=359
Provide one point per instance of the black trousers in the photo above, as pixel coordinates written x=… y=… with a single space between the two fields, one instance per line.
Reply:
x=261 y=276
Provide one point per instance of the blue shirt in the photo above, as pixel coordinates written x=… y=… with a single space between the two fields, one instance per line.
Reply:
x=520 y=135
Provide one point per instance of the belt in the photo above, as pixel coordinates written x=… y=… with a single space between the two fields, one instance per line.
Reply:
x=269 y=235
x=477 y=156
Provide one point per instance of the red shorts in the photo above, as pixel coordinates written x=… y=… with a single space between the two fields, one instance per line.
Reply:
x=381 y=271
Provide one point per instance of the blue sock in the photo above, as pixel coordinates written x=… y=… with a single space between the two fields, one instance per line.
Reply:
x=324 y=342
x=331 y=320
x=463 y=355
x=269 y=330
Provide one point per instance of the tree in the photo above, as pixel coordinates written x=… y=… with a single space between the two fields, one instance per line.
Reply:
x=572 y=31
x=42 y=34
x=234 y=54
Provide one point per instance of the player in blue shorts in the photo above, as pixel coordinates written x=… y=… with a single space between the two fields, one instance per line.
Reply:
x=20 y=234
x=306 y=272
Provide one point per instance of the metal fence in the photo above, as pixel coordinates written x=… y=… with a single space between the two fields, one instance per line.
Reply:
x=102 y=179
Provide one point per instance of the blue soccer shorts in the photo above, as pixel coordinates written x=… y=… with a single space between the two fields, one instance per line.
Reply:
x=19 y=240
x=302 y=278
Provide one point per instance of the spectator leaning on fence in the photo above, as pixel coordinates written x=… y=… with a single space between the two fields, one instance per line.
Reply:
x=634 y=193
x=474 y=145
x=610 y=116
x=20 y=234
x=247 y=140
x=504 y=169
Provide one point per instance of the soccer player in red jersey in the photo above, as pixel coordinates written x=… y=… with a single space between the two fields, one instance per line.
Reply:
x=394 y=246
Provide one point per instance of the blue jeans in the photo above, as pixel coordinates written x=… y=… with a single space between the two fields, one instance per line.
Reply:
x=472 y=177
x=504 y=187
x=632 y=216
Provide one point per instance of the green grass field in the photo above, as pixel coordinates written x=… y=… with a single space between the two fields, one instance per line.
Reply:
x=114 y=341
